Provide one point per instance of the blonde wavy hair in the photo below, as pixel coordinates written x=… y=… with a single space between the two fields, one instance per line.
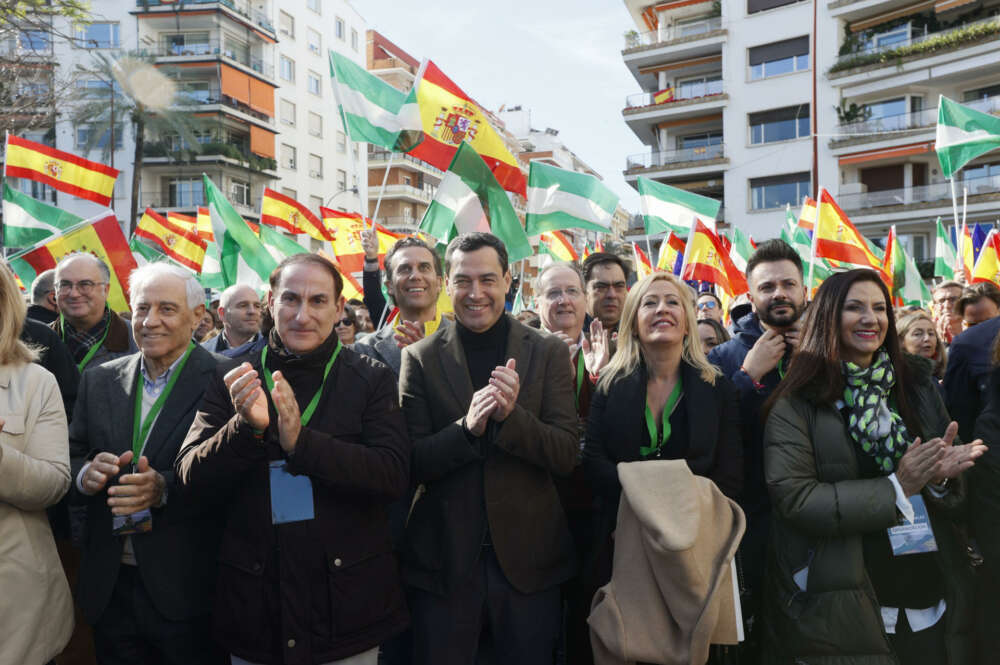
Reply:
x=13 y=311
x=629 y=351
x=907 y=321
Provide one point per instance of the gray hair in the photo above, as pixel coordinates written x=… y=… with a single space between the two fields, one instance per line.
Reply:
x=101 y=265
x=563 y=264
x=151 y=271
x=45 y=283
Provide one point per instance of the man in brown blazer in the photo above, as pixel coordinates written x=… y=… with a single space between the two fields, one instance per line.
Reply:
x=489 y=407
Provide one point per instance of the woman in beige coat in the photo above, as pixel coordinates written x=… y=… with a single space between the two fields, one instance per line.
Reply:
x=36 y=610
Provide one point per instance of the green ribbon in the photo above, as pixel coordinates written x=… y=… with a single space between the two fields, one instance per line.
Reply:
x=579 y=376
x=93 y=349
x=655 y=440
x=140 y=426
x=314 y=402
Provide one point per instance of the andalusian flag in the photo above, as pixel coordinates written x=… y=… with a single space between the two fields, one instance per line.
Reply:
x=60 y=170
x=563 y=199
x=450 y=118
x=988 y=265
x=905 y=282
x=100 y=236
x=144 y=254
x=963 y=134
x=286 y=213
x=708 y=261
x=211 y=276
x=741 y=249
x=243 y=258
x=587 y=251
x=557 y=246
x=467 y=191
x=278 y=245
x=945 y=257
x=27 y=221
x=837 y=239
x=666 y=208
x=346 y=228
x=372 y=110
x=643 y=266
x=671 y=257
x=181 y=244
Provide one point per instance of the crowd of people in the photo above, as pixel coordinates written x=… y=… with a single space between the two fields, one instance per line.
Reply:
x=616 y=477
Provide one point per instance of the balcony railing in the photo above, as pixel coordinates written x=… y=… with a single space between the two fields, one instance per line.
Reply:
x=397 y=158
x=915 y=120
x=668 y=158
x=400 y=222
x=426 y=193
x=189 y=200
x=210 y=48
x=215 y=97
x=701 y=90
x=672 y=32
x=241 y=7
x=924 y=44
x=940 y=191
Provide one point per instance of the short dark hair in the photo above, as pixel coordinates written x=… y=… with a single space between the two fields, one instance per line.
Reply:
x=710 y=294
x=311 y=259
x=354 y=302
x=772 y=251
x=410 y=241
x=470 y=242
x=972 y=293
x=601 y=258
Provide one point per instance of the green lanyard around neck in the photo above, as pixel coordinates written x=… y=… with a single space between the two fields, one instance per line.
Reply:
x=140 y=425
x=93 y=349
x=579 y=376
x=314 y=402
x=656 y=442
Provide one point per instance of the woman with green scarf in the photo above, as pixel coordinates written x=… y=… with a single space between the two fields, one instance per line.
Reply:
x=866 y=483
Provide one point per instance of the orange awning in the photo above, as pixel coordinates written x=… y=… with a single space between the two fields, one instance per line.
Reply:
x=261 y=142
x=236 y=84
x=887 y=153
x=261 y=97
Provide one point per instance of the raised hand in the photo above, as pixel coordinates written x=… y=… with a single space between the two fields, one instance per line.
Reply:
x=408 y=332
x=369 y=243
x=506 y=385
x=247 y=396
x=597 y=351
x=289 y=416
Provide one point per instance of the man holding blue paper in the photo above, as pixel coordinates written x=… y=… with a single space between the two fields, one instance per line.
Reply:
x=298 y=450
x=146 y=576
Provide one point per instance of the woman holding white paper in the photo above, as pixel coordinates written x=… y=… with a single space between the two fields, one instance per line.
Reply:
x=865 y=484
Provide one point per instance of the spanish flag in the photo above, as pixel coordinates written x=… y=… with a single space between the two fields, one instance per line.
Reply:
x=180 y=244
x=449 y=116
x=351 y=287
x=663 y=96
x=988 y=264
x=708 y=261
x=204 y=225
x=100 y=236
x=671 y=258
x=642 y=265
x=587 y=251
x=284 y=212
x=807 y=216
x=346 y=228
x=60 y=170
x=837 y=239
x=966 y=253
x=186 y=222
x=556 y=245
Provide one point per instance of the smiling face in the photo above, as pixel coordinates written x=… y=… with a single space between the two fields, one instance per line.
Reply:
x=305 y=306
x=562 y=305
x=81 y=291
x=413 y=285
x=864 y=321
x=162 y=322
x=660 y=318
x=921 y=338
x=777 y=293
x=477 y=285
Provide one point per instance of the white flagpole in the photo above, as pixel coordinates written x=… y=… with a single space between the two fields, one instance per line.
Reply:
x=649 y=249
x=965 y=202
x=385 y=178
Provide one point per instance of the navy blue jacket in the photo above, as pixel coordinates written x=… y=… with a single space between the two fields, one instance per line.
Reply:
x=967 y=377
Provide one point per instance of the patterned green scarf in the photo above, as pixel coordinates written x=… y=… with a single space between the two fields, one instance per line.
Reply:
x=878 y=429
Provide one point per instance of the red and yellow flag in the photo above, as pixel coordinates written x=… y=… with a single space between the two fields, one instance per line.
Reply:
x=346 y=228
x=598 y=245
x=966 y=252
x=988 y=264
x=181 y=244
x=449 y=116
x=708 y=261
x=557 y=246
x=186 y=222
x=663 y=96
x=351 y=287
x=807 y=216
x=671 y=258
x=204 y=225
x=643 y=266
x=284 y=212
x=837 y=239
x=60 y=170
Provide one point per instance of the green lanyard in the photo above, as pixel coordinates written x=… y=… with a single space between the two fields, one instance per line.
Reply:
x=664 y=434
x=579 y=376
x=140 y=431
x=314 y=402
x=93 y=349
x=781 y=368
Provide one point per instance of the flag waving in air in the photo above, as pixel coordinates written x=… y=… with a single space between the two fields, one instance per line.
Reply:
x=945 y=256
x=557 y=246
x=563 y=199
x=671 y=257
x=836 y=238
x=346 y=228
x=643 y=266
x=963 y=134
x=988 y=264
x=60 y=170
x=666 y=208
x=284 y=212
x=27 y=221
x=243 y=258
x=966 y=256
x=180 y=244
x=708 y=261
x=905 y=283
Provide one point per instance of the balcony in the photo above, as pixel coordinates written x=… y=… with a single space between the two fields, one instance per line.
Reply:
x=400 y=223
x=987 y=187
x=163 y=200
x=380 y=158
x=693 y=42
x=905 y=124
x=404 y=193
x=209 y=50
x=236 y=154
x=240 y=7
x=685 y=94
x=677 y=163
x=200 y=101
x=672 y=33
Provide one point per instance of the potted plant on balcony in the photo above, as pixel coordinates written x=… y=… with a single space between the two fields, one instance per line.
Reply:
x=631 y=38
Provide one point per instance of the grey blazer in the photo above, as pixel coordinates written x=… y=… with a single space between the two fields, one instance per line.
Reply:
x=381 y=345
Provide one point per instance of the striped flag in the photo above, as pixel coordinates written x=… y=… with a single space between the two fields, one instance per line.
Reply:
x=807 y=216
x=963 y=134
x=181 y=244
x=905 y=283
x=988 y=265
x=243 y=258
x=60 y=170
x=836 y=238
x=563 y=199
x=284 y=212
x=662 y=96
x=204 y=225
x=945 y=256
x=741 y=249
x=799 y=240
x=708 y=261
x=277 y=245
x=352 y=290
x=642 y=265
x=27 y=221
x=666 y=208
x=346 y=228
x=671 y=257
x=144 y=254
x=966 y=256
x=556 y=245
x=188 y=223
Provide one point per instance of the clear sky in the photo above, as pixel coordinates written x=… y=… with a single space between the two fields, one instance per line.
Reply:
x=559 y=58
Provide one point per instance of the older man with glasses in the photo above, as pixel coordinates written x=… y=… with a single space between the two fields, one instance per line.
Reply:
x=93 y=333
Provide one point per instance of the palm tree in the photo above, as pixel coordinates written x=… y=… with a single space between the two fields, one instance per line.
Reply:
x=134 y=90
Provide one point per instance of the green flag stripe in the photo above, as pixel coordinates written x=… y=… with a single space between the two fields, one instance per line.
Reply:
x=701 y=205
x=543 y=176
x=351 y=75
x=554 y=221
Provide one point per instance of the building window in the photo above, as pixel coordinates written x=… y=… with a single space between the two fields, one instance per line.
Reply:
x=286 y=69
x=354 y=39
x=315 y=166
x=981 y=93
x=314 y=41
x=783 y=124
x=236 y=50
x=288 y=156
x=778 y=191
x=185 y=193
x=314 y=5
x=239 y=192
x=188 y=43
x=37 y=41
x=287 y=113
x=341 y=180
x=315 y=202
x=312 y=83
x=338 y=28
x=315 y=124
x=97 y=35
x=195 y=92
x=286 y=24
x=83 y=137
x=791 y=55
x=754 y=6
x=290 y=193
x=699 y=86
x=888 y=39
x=341 y=143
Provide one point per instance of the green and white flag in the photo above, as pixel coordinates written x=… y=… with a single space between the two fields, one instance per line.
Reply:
x=666 y=208
x=802 y=244
x=468 y=199
x=945 y=256
x=373 y=110
x=243 y=258
x=144 y=254
x=740 y=249
x=563 y=199
x=28 y=221
x=211 y=276
x=963 y=134
x=278 y=245
x=907 y=284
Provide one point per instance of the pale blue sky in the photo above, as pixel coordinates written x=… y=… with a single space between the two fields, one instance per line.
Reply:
x=559 y=58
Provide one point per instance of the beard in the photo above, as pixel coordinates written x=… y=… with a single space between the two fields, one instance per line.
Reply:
x=768 y=316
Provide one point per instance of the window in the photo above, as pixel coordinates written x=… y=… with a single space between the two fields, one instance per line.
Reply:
x=236 y=50
x=888 y=39
x=981 y=171
x=704 y=145
x=315 y=202
x=286 y=24
x=196 y=92
x=314 y=41
x=290 y=193
x=286 y=69
x=312 y=83
x=189 y=43
x=185 y=193
x=341 y=180
x=700 y=86
x=354 y=39
x=97 y=35
x=981 y=93
x=791 y=55
x=83 y=136
x=288 y=156
x=239 y=192
x=754 y=6
x=38 y=190
x=783 y=124
x=287 y=113
x=338 y=28
x=314 y=5
x=315 y=124
x=315 y=166
x=177 y=142
x=778 y=191
x=35 y=40
x=341 y=143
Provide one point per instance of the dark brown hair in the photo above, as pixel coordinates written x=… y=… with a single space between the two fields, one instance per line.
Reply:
x=311 y=259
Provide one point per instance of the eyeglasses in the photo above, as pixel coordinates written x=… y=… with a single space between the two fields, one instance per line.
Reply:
x=344 y=322
x=555 y=294
x=601 y=287
x=83 y=287
x=708 y=304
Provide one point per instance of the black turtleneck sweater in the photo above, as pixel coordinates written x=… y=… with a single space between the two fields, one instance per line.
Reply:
x=303 y=372
x=484 y=351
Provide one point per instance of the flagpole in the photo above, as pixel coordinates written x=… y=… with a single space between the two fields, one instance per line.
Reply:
x=812 y=245
x=965 y=202
x=385 y=178
x=649 y=248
